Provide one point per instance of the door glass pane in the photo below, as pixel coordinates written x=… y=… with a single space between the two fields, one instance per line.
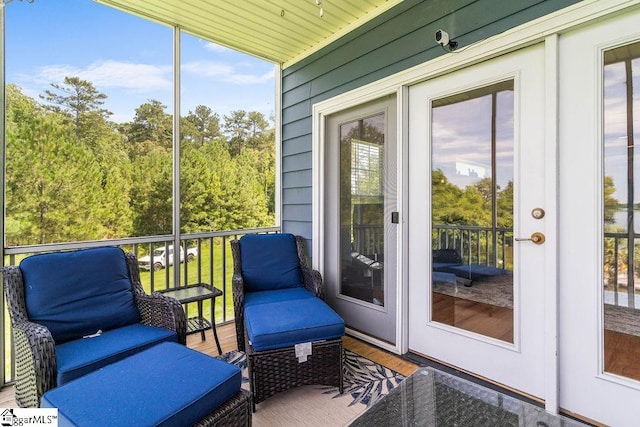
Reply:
x=621 y=197
x=472 y=210
x=362 y=209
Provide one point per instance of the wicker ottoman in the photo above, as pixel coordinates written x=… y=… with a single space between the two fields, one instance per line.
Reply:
x=272 y=330
x=168 y=384
x=273 y=371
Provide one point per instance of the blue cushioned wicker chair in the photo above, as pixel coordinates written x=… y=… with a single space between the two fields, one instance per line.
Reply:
x=279 y=307
x=75 y=312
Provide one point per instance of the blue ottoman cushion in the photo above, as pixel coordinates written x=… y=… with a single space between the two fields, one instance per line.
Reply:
x=446 y=278
x=443 y=266
x=166 y=385
x=82 y=356
x=76 y=293
x=269 y=261
x=476 y=271
x=286 y=323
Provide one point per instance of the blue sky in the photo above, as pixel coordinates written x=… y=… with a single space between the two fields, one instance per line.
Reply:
x=127 y=58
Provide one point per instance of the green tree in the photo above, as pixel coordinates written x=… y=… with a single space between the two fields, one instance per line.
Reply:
x=152 y=194
x=80 y=101
x=485 y=187
x=72 y=175
x=444 y=200
x=200 y=126
x=243 y=196
x=151 y=130
x=194 y=173
x=474 y=207
x=52 y=183
x=262 y=151
x=505 y=206
x=237 y=128
x=260 y=133
x=610 y=202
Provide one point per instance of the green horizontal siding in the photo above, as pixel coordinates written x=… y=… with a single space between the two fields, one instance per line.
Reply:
x=395 y=41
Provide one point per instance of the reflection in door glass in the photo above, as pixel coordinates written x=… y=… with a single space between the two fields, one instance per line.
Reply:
x=472 y=210
x=621 y=198
x=362 y=209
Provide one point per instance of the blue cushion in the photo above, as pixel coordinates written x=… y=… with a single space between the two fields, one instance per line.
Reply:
x=441 y=277
x=265 y=297
x=286 y=323
x=166 y=385
x=448 y=256
x=443 y=266
x=77 y=293
x=79 y=357
x=269 y=261
x=475 y=271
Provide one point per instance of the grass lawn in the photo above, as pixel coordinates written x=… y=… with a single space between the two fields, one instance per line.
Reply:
x=200 y=271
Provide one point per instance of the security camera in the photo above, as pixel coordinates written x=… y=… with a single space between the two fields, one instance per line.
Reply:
x=442 y=38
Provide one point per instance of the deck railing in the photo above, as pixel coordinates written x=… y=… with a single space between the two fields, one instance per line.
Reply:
x=621 y=269
x=213 y=265
x=476 y=244
x=485 y=245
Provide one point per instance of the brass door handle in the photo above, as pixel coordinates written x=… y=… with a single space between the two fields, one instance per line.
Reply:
x=537 y=238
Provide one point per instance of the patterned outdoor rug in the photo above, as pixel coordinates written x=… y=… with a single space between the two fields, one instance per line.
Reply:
x=497 y=291
x=364 y=383
x=622 y=319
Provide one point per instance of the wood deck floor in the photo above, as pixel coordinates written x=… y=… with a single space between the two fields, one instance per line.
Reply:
x=227 y=336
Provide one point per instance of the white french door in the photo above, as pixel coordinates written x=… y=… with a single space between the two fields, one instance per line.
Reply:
x=598 y=225
x=477 y=192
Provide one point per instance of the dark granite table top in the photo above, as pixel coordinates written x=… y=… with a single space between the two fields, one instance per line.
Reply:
x=430 y=397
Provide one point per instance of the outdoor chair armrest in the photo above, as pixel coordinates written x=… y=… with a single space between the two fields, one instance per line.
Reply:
x=312 y=280
x=14 y=293
x=163 y=312
x=36 y=365
x=238 y=308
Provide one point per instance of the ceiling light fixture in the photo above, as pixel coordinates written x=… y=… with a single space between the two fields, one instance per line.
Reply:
x=319 y=4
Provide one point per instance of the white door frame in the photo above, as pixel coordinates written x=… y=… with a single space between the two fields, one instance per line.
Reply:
x=544 y=29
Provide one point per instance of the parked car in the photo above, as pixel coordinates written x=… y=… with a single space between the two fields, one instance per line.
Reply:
x=162 y=258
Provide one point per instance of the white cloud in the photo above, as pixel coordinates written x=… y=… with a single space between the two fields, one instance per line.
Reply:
x=225 y=72
x=217 y=48
x=250 y=78
x=109 y=74
x=208 y=69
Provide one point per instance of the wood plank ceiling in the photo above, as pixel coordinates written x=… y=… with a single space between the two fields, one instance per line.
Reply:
x=281 y=31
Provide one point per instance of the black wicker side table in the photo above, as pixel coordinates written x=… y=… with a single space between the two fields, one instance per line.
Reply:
x=198 y=292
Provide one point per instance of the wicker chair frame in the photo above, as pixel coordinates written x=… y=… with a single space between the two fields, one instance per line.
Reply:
x=35 y=353
x=235 y=412
x=273 y=371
